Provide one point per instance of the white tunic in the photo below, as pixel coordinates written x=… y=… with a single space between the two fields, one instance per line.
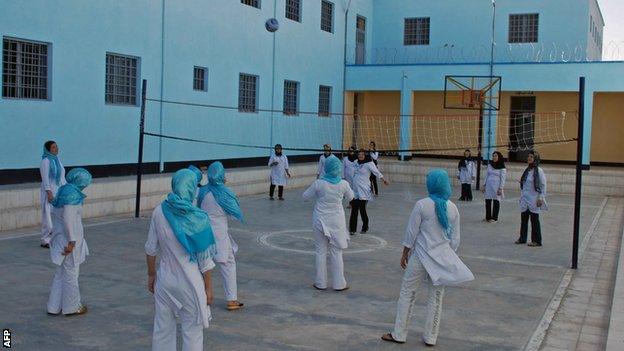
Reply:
x=494 y=180
x=67 y=226
x=329 y=216
x=425 y=236
x=320 y=170
x=48 y=184
x=466 y=175
x=178 y=280
x=361 y=179
x=348 y=170
x=278 y=172
x=374 y=155
x=219 y=224
x=529 y=196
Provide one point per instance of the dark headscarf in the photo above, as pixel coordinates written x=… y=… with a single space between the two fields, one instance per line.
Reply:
x=534 y=166
x=464 y=160
x=276 y=146
x=500 y=164
x=353 y=155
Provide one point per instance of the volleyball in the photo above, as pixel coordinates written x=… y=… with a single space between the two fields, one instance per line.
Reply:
x=272 y=25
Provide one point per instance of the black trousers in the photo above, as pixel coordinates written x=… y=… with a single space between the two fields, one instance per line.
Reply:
x=374 y=186
x=491 y=213
x=466 y=192
x=536 y=230
x=358 y=206
x=280 y=190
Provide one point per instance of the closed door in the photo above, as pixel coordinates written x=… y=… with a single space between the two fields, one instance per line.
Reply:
x=521 y=127
x=360 y=40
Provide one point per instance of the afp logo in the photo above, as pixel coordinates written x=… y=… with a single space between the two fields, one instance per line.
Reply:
x=6 y=338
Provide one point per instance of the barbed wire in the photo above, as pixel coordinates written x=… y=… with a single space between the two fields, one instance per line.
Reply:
x=481 y=54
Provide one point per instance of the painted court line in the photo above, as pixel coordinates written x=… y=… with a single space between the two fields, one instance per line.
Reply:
x=516 y=262
x=17 y=236
x=540 y=332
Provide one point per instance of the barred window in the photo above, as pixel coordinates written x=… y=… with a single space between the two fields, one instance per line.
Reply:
x=293 y=10
x=247 y=93
x=523 y=28
x=291 y=97
x=416 y=31
x=121 y=79
x=254 y=3
x=199 y=78
x=324 y=103
x=24 y=69
x=327 y=16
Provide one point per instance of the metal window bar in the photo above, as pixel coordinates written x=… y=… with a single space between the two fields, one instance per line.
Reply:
x=290 y=97
x=293 y=10
x=199 y=78
x=24 y=69
x=360 y=40
x=327 y=16
x=253 y=3
x=416 y=31
x=121 y=75
x=324 y=103
x=247 y=93
x=523 y=28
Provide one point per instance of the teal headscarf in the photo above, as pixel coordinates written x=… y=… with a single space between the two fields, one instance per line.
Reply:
x=224 y=195
x=71 y=193
x=333 y=166
x=198 y=173
x=189 y=223
x=55 y=165
x=439 y=188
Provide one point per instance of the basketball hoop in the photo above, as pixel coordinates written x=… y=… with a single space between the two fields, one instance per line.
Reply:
x=472 y=92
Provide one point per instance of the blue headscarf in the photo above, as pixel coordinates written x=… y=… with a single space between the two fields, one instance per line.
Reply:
x=71 y=193
x=55 y=166
x=198 y=173
x=225 y=196
x=439 y=188
x=189 y=223
x=333 y=166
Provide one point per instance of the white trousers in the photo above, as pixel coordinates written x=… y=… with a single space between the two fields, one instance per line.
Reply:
x=414 y=274
x=65 y=293
x=228 y=272
x=46 y=219
x=323 y=248
x=164 y=336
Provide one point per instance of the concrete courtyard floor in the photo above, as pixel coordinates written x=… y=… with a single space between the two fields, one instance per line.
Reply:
x=500 y=310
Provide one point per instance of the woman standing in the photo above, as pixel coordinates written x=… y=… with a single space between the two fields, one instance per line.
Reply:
x=374 y=155
x=320 y=169
x=68 y=247
x=180 y=234
x=466 y=175
x=493 y=186
x=362 y=189
x=328 y=222
x=279 y=171
x=52 y=177
x=532 y=200
x=429 y=250
x=219 y=201
x=349 y=163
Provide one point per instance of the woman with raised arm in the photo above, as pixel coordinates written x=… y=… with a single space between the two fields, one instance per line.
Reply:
x=362 y=189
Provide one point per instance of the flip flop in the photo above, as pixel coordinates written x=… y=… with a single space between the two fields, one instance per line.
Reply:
x=82 y=310
x=238 y=306
x=388 y=337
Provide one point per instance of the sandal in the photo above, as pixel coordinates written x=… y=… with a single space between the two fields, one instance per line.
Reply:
x=534 y=244
x=317 y=288
x=520 y=242
x=82 y=310
x=343 y=289
x=237 y=306
x=390 y=338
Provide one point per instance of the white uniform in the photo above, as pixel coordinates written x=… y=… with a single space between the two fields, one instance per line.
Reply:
x=466 y=175
x=348 y=169
x=529 y=196
x=226 y=246
x=494 y=180
x=320 y=170
x=278 y=172
x=330 y=229
x=46 y=207
x=433 y=256
x=361 y=180
x=179 y=289
x=65 y=293
x=374 y=155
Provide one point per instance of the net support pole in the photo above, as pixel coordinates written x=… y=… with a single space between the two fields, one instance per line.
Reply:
x=579 y=174
x=137 y=207
x=479 y=147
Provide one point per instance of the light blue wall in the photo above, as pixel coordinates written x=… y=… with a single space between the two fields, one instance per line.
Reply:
x=225 y=36
x=460 y=31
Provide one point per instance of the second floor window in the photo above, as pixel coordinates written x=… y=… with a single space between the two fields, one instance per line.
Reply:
x=291 y=97
x=24 y=69
x=523 y=28
x=293 y=10
x=416 y=31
